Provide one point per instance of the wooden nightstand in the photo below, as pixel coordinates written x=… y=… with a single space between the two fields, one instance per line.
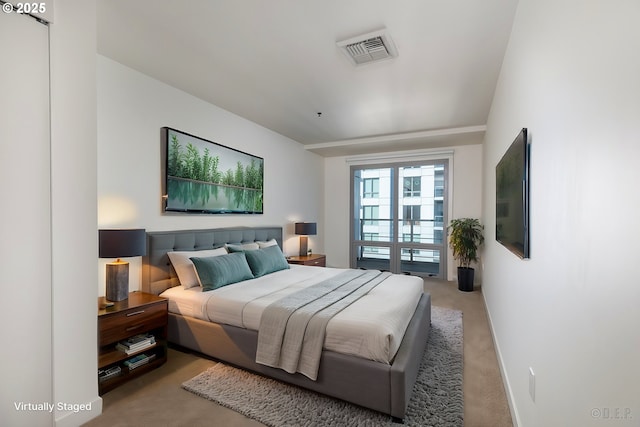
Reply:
x=139 y=314
x=317 y=260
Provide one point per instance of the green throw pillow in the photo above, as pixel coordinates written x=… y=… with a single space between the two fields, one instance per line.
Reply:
x=219 y=271
x=267 y=260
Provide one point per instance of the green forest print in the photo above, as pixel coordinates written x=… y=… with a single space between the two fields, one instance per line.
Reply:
x=194 y=176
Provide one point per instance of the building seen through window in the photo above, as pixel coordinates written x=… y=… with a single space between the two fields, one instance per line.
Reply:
x=406 y=219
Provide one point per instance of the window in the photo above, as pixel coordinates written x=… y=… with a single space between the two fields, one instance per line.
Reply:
x=438 y=213
x=412 y=186
x=371 y=188
x=370 y=215
x=398 y=211
x=410 y=251
x=413 y=238
x=438 y=183
x=411 y=214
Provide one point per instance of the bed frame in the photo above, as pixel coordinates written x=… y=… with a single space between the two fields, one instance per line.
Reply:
x=378 y=386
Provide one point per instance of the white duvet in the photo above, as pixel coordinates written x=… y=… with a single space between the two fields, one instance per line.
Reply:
x=372 y=327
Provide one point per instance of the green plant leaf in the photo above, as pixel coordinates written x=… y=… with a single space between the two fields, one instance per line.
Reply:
x=465 y=237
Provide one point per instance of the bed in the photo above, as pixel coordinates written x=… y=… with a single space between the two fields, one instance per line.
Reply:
x=384 y=387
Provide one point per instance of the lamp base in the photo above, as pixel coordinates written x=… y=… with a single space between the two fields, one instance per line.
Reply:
x=117 y=281
x=303 y=245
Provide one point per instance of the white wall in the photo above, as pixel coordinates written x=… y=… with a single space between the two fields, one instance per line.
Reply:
x=570 y=75
x=25 y=225
x=73 y=211
x=132 y=108
x=336 y=211
x=466 y=171
x=49 y=313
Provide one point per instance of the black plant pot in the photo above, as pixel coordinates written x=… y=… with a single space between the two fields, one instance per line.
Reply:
x=465 y=278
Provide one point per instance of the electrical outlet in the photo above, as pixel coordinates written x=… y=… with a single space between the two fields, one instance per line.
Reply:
x=532 y=384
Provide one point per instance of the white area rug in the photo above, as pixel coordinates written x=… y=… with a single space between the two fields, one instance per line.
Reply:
x=437 y=396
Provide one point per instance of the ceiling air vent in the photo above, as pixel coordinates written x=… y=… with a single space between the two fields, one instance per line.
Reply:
x=370 y=47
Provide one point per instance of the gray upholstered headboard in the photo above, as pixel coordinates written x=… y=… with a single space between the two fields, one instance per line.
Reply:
x=157 y=272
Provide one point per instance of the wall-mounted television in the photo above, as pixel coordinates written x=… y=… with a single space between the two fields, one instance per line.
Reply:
x=201 y=176
x=512 y=196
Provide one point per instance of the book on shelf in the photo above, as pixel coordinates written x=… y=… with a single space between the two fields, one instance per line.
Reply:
x=139 y=360
x=134 y=349
x=137 y=343
x=105 y=374
x=137 y=340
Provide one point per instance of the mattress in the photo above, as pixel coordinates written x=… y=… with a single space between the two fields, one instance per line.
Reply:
x=371 y=328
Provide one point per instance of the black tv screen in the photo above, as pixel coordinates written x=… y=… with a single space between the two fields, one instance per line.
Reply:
x=512 y=197
x=201 y=176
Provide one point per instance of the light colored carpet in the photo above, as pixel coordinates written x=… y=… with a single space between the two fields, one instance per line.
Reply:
x=437 y=398
x=157 y=398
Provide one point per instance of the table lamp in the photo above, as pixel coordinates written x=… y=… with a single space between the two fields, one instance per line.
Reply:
x=120 y=244
x=305 y=229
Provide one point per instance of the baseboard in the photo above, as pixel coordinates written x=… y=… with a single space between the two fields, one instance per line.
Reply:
x=515 y=419
x=84 y=414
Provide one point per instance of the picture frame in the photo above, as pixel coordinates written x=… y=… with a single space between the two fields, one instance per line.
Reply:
x=203 y=177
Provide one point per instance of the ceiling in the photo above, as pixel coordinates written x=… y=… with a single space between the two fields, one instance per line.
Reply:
x=277 y=64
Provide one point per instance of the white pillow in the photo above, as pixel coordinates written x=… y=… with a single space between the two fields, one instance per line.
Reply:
x=185 y=269
x=251 y=246
x=268 y=243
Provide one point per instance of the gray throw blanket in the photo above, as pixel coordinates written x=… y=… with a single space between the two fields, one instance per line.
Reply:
x=292 y=330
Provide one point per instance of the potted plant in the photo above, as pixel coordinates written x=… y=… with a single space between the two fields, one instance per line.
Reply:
x=465 y=237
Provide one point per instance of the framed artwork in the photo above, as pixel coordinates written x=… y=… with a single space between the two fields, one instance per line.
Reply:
x=203 y=177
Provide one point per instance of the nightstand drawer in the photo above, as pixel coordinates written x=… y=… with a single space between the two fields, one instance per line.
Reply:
x=124 y=324
x=316 y=260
